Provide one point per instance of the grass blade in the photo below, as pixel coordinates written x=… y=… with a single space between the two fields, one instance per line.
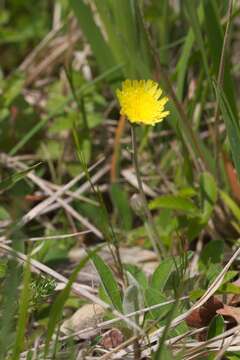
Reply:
x=7 y=183
x=60 y=110
x=23 y=313
x=182 y=64
x=8 y=307
x=126 y=35
x=92 y=32
x=109 y=283
x=215 y=42
x=233 y=129
x=196 y=26
x=57 y=307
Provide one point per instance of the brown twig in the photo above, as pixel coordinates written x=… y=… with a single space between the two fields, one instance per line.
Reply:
x=115 y=157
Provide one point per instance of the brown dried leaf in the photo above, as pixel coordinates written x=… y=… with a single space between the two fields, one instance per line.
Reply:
x=232 y=176
x=203 y=315
x=112 y=338
x=230 y=311
x=234 y=300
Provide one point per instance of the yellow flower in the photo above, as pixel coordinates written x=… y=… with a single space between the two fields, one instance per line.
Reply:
x=140 y=102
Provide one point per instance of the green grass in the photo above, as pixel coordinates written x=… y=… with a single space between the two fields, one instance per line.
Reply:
x=59 y=116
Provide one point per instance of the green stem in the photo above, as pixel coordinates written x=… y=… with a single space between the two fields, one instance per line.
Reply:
x=152 y=231
x=220 y=82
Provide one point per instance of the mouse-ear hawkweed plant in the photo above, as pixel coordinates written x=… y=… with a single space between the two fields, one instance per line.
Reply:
x=141 y=102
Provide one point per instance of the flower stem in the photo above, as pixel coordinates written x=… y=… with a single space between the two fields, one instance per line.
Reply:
x=152 y=231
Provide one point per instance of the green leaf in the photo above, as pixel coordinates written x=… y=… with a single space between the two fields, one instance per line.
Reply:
x=162 y=274
x=167 y=225
x=235 y=356
x=130 y=299
x=138 y=274
x=33 y=131
x=108 y=281
x=13 y=88
x=58 y=305
x=121 y=202
x=230 y=203
x=154 y=297
x=4 y=215
x=187 y=192
x=194 y=295
x=229 y=289
x=163 y=354
x=98 y=215
x=194 y=227
x=229 y=276
x=175 y=203
x=216 y=326
x=212 y=271
x=7 y=183
x=212 y=253
x=133 y=297
x=208 y=195
x=232 y=126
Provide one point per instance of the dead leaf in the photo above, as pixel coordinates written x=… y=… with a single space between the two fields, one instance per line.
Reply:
x=203 y=315
x=117 y=144
x=35 y=197
x=234 y=300
x=87 y=316
x=231 y=311
x=232 y=176
x=112 y=338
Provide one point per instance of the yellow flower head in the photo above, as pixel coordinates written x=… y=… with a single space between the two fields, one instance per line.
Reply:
x=140 y=102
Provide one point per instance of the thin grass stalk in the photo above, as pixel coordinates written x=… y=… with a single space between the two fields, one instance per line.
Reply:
x=184 y=119
x=110 y=236
x=166 y=329
x=116 y=256
x=185 y=122
x=153 y=233
x=60 y=109
x=220 y=79
x=225 y=346
x=23 y=312
x=79 y=290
